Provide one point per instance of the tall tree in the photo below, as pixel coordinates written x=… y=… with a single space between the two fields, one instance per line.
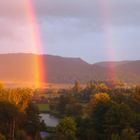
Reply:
x=32 y=123
x=8 y=116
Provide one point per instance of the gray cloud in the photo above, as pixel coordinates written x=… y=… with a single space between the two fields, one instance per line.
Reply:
x=119 y=11
x=72 y=27
x=85 y=28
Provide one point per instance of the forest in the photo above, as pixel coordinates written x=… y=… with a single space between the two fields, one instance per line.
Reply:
x=98 y=111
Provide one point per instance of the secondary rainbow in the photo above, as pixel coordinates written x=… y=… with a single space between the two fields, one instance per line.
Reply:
x=108 y=36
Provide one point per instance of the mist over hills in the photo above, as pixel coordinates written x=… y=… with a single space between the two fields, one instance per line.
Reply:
x=19 y=67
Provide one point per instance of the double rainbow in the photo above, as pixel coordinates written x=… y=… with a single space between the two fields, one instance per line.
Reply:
x=35 y=39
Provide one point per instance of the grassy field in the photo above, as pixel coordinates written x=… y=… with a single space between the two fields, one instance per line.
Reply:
x=43 y=107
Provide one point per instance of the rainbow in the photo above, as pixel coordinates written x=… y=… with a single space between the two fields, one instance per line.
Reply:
x=35 y=39
x=35 y=43
x=108 y=37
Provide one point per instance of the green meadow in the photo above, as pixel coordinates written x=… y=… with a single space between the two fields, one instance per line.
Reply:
x=43 y=107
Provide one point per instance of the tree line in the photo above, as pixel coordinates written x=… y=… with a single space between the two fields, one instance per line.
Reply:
x=98 y=112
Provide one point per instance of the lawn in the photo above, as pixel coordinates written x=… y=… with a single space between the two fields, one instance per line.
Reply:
x=43 y=107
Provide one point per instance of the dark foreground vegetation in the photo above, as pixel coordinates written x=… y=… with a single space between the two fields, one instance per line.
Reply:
x=19 y=117
x=99 y=111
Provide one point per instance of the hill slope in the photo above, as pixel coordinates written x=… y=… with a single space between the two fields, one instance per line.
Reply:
x=19 y=67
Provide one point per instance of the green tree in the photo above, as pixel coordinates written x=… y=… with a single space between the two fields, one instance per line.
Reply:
x=98 y=119
x=99 y=105
x=32 y=124
x=135 y=101
x=8 y=116
x=66 y=129
x=126 y=134
x=85 y=130
x=136 y=122
x=118 y=117
x=67 y=105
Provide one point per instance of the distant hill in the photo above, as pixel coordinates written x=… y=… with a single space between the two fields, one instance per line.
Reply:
x=19 y=67
x=111 y=63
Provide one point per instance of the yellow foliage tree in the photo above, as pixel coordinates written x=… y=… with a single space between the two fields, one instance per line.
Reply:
x=18 y=97
x=1 y=86
x=99 y=97
x=102 y=87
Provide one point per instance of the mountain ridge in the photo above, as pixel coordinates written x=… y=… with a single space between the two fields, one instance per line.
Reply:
x=19 y=66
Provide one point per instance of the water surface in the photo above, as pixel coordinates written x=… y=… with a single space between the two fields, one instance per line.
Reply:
x=49 y=119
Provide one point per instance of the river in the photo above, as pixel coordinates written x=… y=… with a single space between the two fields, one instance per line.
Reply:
x=49 y=119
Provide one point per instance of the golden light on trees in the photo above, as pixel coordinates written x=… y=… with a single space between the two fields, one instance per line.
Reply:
x=99 y=97
x=18 y=97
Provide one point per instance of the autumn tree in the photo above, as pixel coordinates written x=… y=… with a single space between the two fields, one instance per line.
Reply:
x=102 y=87
x=1 y=86
x=99 y=97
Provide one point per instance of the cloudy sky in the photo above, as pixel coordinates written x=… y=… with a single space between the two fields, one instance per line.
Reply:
x=95 y=30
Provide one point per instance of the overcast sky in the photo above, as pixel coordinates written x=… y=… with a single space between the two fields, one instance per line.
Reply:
x=95 y=30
